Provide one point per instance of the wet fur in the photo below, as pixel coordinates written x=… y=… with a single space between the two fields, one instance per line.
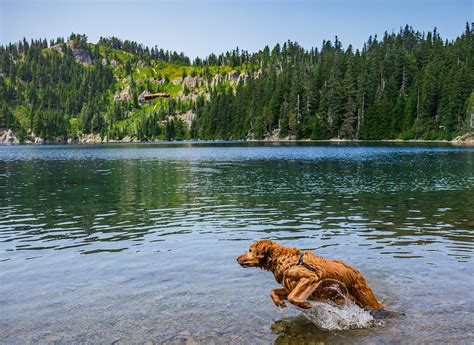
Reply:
x=301 y=284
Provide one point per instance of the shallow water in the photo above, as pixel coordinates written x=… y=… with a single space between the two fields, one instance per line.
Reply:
x=135 y=243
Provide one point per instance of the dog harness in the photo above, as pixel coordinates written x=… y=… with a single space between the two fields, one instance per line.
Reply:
x=302 y=263
x=308 y=267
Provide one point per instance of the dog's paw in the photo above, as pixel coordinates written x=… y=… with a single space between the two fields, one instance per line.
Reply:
x=305 y=306
x=280 y=304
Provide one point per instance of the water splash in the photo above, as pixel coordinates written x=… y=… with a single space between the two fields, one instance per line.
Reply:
x=332 y=316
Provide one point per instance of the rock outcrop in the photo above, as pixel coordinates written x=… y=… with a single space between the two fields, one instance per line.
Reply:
x=466 y=139
x=38 y=140
x=141 y=97
x=216 y=80
x=235 y=78
x=129 y=139
x=81 y=55
x=192 y=82
x=187 y=117
x=159 y=82
x=89 y=138
x=177 y=81
x=243 y=78
x=191 y=96
x=8 y=137
x=123 y=95
x=232 y=77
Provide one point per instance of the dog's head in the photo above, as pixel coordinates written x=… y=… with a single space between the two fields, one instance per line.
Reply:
x=256 y=255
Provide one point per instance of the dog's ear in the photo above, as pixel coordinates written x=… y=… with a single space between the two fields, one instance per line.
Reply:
x=262 y=248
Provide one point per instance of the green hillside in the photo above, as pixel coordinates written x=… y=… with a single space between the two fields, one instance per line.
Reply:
x=406 y=85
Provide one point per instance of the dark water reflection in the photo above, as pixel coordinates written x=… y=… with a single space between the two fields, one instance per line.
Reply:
x=138 y=242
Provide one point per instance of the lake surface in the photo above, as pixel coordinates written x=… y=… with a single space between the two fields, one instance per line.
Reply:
x=134 y=243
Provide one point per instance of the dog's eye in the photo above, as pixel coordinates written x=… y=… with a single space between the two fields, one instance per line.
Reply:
x=250 y=251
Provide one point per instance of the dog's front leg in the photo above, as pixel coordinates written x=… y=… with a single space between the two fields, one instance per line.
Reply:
x=302 y=291
x=278 y=295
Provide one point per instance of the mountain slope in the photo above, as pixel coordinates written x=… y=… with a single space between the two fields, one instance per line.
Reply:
x=406 y=86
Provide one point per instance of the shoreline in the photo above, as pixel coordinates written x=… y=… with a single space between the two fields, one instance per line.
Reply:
x=283 y=141
x=9 y=138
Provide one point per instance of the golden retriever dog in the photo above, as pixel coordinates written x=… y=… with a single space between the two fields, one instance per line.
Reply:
x=305 y=276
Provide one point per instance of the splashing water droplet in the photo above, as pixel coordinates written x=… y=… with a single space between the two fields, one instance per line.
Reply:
x=331 y=316
x=334 y=317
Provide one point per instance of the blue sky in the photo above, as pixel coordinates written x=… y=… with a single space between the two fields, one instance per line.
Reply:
x=204 y=26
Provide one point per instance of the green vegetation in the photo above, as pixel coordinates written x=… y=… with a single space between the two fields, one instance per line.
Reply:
x=407 y=85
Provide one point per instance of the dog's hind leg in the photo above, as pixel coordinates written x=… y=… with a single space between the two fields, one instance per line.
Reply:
x=302 y=292
x=278 y=295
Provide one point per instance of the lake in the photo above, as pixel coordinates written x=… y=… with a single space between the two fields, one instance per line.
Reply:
x=130 y=243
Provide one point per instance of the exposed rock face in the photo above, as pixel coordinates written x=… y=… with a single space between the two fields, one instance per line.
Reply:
x=141 y=97
x=232 y=77
x=243 y=78
x=192 y=82
x=466 y=139
x=8 y=137
x=81 y=55
x=257 y=74
x=160 y=82
x=192 y=96
x=216 y=80
x=38 y=140
x=177 y=81
x=235 y=78
x=275 y=136
x=187 y=117
x=123 y=95
x=129 y=139
x=90 y=139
